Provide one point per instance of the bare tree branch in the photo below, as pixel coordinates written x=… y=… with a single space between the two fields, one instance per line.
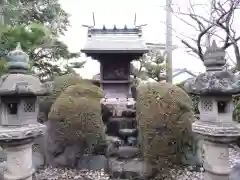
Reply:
x=221 y=17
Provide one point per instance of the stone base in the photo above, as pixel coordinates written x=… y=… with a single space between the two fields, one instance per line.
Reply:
x=216 y=161
x=19 y=162
x=128 y=169
x=210 y=176
x=23 y=176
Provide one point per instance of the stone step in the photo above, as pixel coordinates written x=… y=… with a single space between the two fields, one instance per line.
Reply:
x=128 y=169
x=114 y=140
x=116 y=123
x=125 y=133
x=132 y=141
x=129 y=113
x=126 y=152
x=92 y=162
x=117 y=119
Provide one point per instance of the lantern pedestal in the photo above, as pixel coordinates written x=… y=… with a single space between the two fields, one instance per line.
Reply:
x=17 y=143
x=216 y=162
x=19 y=162
x=215 y=138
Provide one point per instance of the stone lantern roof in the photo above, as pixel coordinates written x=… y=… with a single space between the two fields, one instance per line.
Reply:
x=215 y=81
x=17 y=81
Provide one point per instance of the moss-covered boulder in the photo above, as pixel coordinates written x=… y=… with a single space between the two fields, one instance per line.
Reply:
x=75 y=121
x=164 y=116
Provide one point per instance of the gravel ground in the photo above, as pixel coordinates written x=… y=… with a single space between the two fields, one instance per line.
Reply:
x=234 y=158
x=69 y=174
x=72 y=174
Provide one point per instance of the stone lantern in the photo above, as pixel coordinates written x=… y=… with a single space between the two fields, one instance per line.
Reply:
x=18 y=115
x=215 y=129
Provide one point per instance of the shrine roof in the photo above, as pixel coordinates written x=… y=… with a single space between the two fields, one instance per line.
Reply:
x=101 y=41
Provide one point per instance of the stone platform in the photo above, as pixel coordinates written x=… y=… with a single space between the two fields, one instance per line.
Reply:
x=94 y=174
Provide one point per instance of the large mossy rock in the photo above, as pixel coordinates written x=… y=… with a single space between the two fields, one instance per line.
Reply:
x=60 y=83
x=164 y=116
x=75 y=125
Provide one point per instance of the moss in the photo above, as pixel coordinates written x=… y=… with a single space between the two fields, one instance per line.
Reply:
x=164 y=116
x=77 y=111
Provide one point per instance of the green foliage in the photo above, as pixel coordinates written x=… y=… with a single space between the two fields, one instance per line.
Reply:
x=48 y=13
x=30 y=37
x=37 y=24
x=195 y=98
x=164 y=116
x=42 y=47
x=78 y=112
x=3 y=68
x=236 y=112
x=151 y=65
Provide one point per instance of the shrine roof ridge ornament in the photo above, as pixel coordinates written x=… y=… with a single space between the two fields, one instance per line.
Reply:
x=114 y=30
x=215 y=81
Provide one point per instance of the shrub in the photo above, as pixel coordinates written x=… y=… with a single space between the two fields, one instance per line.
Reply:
x=77 y=112
x=164 y=116
x=59 y=85
x=236 y=112
x=195 y=98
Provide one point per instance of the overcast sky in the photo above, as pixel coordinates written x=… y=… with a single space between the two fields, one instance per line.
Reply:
x=150 y=12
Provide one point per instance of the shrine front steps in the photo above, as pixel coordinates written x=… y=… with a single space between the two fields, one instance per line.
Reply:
x=124 y=156
x=126 y=137
x=125 y=152
x=125 y=163
x=128 y=169
x=116 y=124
